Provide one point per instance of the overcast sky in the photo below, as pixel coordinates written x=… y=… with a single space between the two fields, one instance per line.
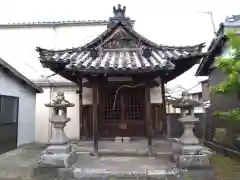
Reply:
x=170 y=22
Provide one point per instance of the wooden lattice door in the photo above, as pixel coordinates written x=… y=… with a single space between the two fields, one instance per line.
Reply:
x=123 y=114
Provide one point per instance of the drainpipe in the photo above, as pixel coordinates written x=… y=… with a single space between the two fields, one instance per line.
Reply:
x=51 y=86
x=50 y=129
x=211 y=19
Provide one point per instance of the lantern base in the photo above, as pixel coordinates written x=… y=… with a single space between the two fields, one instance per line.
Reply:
x=193 y=161
x=59 y=156
x=191 y=149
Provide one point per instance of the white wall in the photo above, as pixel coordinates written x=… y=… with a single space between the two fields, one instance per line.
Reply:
x=156 y=92
x=87 y=96
x=199 y=109
x=10 y=86
x=18 y=48
x=226 y=53
x=43 y=114
x=42 y=125
x=18 y=45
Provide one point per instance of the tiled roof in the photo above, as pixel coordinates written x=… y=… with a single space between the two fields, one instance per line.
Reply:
x=151 y=57
x=47 y=83
x=232 y=21
x=217 y=44
x=114 y=59
x=120 y=49
x=214 y=50
x=123 y=59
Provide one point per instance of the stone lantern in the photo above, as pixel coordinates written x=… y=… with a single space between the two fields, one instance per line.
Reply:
x=187 y=119
x=59 y=154
x=59 y=118
x=190 y=153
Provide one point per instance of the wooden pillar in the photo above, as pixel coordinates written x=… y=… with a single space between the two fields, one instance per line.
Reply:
x=80 y=111
x=101 y=106
x=164 y=121
x=148 y=118
x=95 y=116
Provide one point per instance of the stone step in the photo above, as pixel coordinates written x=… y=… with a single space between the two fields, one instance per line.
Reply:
x=107 y=167
x=83 y=174
x=112 y=167
x=123 y=152
x=128 y=153
x=77 y=173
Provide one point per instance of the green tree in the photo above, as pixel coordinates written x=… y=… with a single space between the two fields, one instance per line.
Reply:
x=230 y=66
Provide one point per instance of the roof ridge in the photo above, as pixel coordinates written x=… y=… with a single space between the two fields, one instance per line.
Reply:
x=161 y=45
x=80 y=48
x=183 y=47
x=232 y=18
x=87 y=20
x=131 y=30
x=42 y=50
x=53 y=22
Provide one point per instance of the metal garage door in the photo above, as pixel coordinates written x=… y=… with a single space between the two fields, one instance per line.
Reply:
x=8 y=123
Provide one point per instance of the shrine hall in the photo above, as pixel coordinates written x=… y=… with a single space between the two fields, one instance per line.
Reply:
x=123 y=69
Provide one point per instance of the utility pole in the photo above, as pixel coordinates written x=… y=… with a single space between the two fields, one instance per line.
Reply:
x=211 y=19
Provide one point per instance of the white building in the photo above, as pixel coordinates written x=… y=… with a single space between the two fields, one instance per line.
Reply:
x=22 y=39
x=17 y=108
x=195 y=93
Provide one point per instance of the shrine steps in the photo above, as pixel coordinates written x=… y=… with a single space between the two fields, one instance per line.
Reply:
x=119 y=167
x=111 y=167
x=137 y=148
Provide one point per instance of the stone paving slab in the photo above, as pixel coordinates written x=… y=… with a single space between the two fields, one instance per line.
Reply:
x=19 y=164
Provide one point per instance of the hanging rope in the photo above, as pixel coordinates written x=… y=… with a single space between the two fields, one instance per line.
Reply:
x=127 y=86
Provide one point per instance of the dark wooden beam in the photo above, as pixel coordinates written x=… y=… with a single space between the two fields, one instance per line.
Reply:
x=101 y=89
x=135 y=81
x=148 y=119
x=95 y=116
x=164 y=121
x=80 y=110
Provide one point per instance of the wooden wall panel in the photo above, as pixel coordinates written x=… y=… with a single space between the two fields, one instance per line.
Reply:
x=157 y=115
x=87 y=122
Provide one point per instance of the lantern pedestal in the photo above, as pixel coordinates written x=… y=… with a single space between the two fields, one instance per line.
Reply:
x=59 y=137
x=189 y=143
x=60 y=156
